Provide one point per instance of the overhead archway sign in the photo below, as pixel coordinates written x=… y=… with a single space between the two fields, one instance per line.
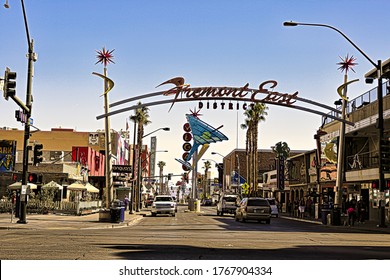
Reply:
x=265 y=93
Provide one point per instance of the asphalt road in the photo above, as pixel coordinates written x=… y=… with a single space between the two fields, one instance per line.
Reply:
x=190 y=236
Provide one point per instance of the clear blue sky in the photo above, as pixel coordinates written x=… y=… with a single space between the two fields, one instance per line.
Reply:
x=209 y=43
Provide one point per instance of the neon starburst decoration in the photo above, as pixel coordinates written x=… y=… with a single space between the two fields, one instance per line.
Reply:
x=347 y=63
x=195 y=113
x=105 y=56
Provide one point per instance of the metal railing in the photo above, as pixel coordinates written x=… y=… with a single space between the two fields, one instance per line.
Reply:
x=358 y=102
x=360 y=161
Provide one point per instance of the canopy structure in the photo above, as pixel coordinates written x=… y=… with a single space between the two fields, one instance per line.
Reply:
x=18 y=186
x=77 y=186
x=53 y=184
x=91 y=188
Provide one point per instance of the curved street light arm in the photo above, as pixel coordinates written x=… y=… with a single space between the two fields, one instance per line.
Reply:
x=291 y=23
x=161 y=128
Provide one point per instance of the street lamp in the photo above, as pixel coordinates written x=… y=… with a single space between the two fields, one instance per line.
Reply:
x=216 y=163
x=161 y=128
x=32 y=57
x=224 y=175
x=378 y=67
x=220 y=169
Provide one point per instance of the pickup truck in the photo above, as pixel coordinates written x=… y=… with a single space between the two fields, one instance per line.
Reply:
x=163 y=204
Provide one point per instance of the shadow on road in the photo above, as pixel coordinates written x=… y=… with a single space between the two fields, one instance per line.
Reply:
x=183 y=252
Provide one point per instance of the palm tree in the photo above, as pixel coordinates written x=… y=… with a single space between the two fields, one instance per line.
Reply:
x=207 y=166
x=161 y=165
x=255 y=114
x=248 y=148
x=281 y=150
x=140 y=117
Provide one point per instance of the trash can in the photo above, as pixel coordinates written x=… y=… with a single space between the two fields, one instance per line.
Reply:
x=336 y=217
x=122 y=213
x=324 y=214
x=115 y=213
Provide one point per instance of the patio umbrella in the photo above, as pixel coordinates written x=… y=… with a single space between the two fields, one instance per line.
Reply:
x=91 y=188
x=52 y=184
x=18 y=186
x=77 y=186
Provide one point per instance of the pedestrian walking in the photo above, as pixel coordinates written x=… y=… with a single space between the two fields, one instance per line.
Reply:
x=301 y=209
x=351 y=216
x=361 y=211
x=126 y=202
x=289 y=208
x=296 y=208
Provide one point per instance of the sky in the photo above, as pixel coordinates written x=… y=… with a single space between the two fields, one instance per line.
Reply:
x=208 y=42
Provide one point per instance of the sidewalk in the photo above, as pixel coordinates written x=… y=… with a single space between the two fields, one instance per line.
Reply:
x=61 y=221
x=368 y=226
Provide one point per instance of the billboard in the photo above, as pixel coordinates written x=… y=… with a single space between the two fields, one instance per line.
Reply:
x=7 y=155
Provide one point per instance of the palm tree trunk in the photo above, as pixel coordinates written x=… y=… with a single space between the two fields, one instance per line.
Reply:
x=255 y=161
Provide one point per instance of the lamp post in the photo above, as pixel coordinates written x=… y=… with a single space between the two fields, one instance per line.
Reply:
x=238 y=174
x=380 y=128
x=32 y=57
x=105 y=57
x=224 y=176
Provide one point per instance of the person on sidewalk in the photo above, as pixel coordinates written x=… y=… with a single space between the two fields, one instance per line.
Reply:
x=126 y=202
x=351 y=216
x=361 y=211
x=301 y=209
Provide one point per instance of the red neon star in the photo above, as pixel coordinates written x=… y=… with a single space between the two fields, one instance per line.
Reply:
x=195 y=113
x=347 y=63
x=105 y=56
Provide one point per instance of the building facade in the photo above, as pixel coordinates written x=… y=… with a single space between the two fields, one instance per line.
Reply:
x=68 y=156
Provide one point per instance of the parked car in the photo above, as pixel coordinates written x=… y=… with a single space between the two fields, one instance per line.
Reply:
x=207 y=202
x=254 y=208
x=274 y=207
x=227 y=204
x=163 y=204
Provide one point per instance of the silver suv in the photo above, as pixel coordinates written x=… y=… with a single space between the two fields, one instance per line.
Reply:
x=227 y=204
x=163 y=204
x=254 y=208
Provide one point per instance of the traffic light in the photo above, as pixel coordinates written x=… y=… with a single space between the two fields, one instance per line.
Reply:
x=169 y=176
x=38 y=158
x=185 y=177
x=32 y=178
x=385 y=155
x=9 y=88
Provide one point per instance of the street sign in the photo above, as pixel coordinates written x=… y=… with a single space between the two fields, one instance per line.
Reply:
x=122 y=168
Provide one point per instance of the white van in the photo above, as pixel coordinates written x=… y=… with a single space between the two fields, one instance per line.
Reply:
x=227 y=204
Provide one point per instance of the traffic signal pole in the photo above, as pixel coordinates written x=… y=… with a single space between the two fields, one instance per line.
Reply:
x=31 y=59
